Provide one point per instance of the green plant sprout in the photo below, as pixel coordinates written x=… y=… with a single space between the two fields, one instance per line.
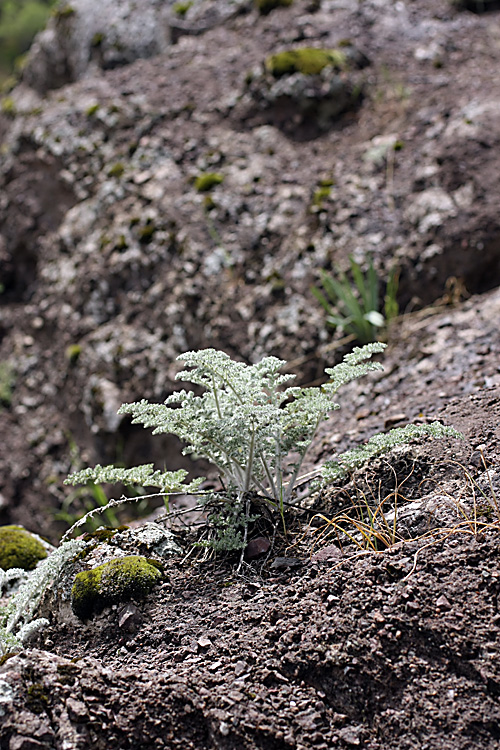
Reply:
x=254 y=428
x=355 y=306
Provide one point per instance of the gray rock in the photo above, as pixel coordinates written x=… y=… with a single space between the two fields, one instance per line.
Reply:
x=78 y=39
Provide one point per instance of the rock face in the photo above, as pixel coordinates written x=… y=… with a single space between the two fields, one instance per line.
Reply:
x=81 y=35
x=113 y=262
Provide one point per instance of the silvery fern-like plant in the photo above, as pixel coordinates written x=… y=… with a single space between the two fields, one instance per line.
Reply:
x=252 y=425
x=17 y=617
x=144 y=476
x=346 y=463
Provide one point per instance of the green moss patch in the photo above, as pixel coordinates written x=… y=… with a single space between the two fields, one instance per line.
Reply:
x=208 y=180
x=306 y=60
x=119 y=580
x=116 y=170
x=19 y=548
x=182 y=8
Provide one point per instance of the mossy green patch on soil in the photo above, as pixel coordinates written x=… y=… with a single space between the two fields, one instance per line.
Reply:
x=130 y=577
x=306 y=60
x=19 y=548
x=208 y=180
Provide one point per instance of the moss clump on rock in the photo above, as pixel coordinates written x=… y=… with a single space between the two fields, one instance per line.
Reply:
x=208 y=180
x=116 y=170
x=19 y=548
x=306 y=60
x=8 y=106
x=182 y=8
x=119 y=580
x=266 y=6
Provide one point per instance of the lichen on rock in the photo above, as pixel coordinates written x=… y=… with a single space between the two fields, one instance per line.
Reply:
x=121 y=579
x=19 y=548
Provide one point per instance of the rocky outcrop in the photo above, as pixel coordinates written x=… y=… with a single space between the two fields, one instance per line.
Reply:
x=82 y=38
x=82 y=35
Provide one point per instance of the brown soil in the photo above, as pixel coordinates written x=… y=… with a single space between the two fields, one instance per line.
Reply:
x=390 y=649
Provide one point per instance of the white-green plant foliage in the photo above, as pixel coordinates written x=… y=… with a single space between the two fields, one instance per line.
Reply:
x=247 y=422
x=143 y=476
x=347 y=462
x=253 y=426
x=17 y=621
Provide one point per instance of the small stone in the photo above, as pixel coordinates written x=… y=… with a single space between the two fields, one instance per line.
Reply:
x=443 y=603
x=350 y=736
x=130 y=618
x=257 y=547
x=18 y=742
x=327 y=553
x=393 y=419
x=77 y=710
x=204 y=642
x=282 y=563
x=239 y=668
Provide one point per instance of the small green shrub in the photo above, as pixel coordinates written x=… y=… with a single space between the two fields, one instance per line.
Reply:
x=146 y=233
x=354 y=305
x=306 y=60
x=320 y=195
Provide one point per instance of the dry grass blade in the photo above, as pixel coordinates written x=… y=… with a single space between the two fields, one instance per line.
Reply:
x=372 y=523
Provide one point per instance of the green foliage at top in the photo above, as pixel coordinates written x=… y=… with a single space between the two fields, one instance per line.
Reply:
x=306 y=60
x=266 y=6
x=130 y=577
x=354 y=305
x=20 y=20
x=19 y=548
